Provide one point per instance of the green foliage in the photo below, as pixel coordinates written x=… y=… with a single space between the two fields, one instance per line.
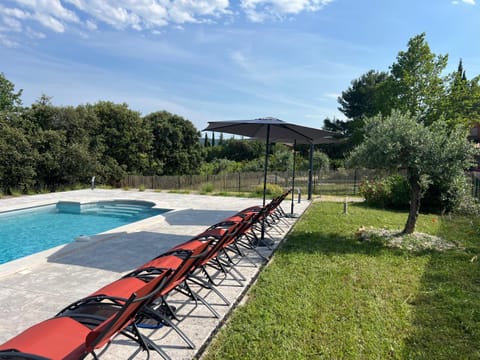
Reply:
x=417 y=82
x=414 y=84
x=220 y=166
x=461 y=104
x=320 y=161
x=176 y=146
x=236 y=150
x=49 y=147
x=459 y=198
x=432 y=153
x=10 y=100
x=271 y=189
x=281 y=159
x=366 y=97
x=124 y=133
x=207 y=188
x=17 y=158
x=254 y=165
x=391 y=192
x=241 y=150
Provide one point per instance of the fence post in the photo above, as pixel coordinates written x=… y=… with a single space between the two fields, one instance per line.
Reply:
x=355 y=182
x=239 y=184
x=474 y=185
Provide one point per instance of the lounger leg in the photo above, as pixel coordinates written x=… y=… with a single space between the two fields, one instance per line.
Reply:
x=160 y=317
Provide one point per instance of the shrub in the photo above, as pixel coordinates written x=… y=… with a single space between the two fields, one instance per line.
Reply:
x=391 y=192
x=399 y=197
x=461 y=199
x=374 y=192
x=454 y=196
x=272 y=189
x=206 y=188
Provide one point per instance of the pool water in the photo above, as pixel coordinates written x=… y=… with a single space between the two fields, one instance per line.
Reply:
x=28 y=231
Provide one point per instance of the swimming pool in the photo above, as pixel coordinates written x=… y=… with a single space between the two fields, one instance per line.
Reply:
x=28 y=231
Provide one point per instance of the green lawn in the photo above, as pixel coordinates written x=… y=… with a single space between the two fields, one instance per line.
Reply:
x=326 y=295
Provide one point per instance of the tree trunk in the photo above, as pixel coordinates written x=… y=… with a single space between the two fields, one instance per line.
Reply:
x=415 y=196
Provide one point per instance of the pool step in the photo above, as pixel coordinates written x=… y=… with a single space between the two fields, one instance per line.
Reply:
x=116 y=210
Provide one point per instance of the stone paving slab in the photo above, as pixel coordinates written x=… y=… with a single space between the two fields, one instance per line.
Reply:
x=37 y=287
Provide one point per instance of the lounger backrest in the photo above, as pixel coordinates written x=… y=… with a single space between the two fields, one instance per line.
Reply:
x=102 y=334
x=230 y=235
x=197 y=253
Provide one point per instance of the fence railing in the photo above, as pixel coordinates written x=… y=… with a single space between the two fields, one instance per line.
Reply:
x=338 y=182
x=475 y=176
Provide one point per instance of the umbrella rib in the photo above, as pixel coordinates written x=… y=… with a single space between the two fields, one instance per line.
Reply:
x=298 y=133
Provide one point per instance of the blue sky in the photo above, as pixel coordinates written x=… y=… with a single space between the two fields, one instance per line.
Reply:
x=211 y=60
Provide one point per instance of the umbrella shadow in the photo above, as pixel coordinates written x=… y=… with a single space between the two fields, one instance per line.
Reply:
x=196 y=217
x=117 y=252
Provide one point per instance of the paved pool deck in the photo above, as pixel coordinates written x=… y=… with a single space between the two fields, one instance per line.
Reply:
x=35 y=288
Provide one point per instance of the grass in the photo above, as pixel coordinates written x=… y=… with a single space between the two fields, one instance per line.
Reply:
x=325 y=295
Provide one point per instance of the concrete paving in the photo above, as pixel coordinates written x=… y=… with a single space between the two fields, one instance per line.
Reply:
x=35 y=288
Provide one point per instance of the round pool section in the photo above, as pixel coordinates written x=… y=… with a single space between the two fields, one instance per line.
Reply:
x=28 y=231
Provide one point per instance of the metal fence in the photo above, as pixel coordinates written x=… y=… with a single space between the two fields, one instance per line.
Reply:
x=333 y=182
x=475 y=176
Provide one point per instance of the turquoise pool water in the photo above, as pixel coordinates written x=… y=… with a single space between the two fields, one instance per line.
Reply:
x=28 y=231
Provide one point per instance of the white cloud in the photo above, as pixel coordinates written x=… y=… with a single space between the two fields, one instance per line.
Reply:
x=469 y=2
x=240 y=59
x=151 y=15
x=91 y=25
x=49 y=13
x=5 y=41
x=260 y=10
x=50 y=22
x=19 y=14
x=32 y=34
x=12 y=24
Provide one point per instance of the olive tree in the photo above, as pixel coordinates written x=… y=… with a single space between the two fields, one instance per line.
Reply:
x=426 y=153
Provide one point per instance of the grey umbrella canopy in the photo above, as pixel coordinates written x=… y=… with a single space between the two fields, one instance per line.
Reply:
x=275 y=130
x=272 y=130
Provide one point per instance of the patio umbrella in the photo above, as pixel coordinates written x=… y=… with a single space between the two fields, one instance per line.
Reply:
x=272 y=130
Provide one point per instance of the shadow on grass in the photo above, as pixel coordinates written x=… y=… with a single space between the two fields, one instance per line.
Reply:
x=329 y=243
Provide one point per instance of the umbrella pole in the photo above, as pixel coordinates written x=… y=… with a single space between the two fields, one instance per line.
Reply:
x=293 y=176
x=267 y=146
x=265 y=169
x=310 y=172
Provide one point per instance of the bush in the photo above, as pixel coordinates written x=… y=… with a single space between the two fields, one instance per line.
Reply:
x=391 y=192
x=454 y=196
x=461 y=199
x=207 y=188
x=374 y=192
x=272 y=189
x=399 y=192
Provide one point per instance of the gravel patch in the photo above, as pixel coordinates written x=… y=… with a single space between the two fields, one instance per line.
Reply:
x=412 y=242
